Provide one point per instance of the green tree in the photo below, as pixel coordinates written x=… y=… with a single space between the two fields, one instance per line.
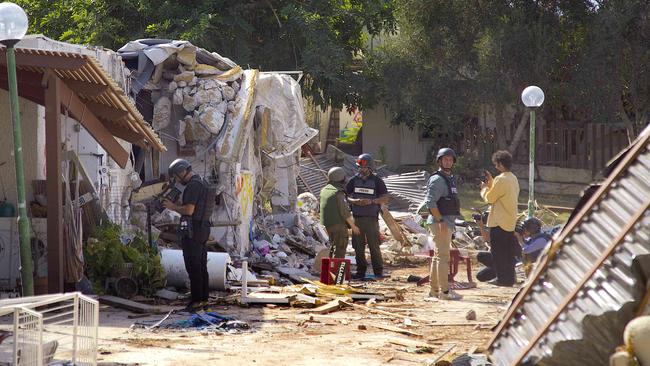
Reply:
x=323 y=38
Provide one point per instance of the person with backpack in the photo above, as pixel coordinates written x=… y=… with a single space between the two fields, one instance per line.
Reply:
x=195 y=209
x=335 y=214
x=443 y=208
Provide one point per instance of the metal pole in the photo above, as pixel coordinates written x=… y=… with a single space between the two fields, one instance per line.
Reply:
x=27 y=266
x=531 y=166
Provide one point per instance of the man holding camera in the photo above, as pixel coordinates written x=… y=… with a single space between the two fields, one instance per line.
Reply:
x=443 y=207
x=502 y=193
x=195 y=210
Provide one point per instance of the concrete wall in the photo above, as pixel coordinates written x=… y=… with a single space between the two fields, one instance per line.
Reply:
x=29 y=114
x=397 y=145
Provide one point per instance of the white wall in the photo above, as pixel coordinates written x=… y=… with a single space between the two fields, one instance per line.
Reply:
x=401 y=145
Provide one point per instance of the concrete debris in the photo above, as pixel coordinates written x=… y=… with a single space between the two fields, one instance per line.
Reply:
x=161 y=113
x=471 y=315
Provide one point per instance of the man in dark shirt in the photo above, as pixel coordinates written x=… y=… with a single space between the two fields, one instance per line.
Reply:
x=366 y=193
x=195 y=212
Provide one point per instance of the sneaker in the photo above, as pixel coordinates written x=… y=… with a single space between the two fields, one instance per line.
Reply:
x=358 y=276
x=450 y=295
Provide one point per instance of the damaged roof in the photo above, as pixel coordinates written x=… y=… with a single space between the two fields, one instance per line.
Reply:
x=94 y=75
x=575 y=307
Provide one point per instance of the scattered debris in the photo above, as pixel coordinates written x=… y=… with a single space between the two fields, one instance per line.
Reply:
x=471 y=315
x=133 y=306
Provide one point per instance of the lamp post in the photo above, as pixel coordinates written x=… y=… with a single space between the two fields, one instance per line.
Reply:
x=532 y=97
x=13 y=27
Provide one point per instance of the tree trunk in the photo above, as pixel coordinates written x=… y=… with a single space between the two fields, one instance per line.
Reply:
x=519 y=133
x=500 y=127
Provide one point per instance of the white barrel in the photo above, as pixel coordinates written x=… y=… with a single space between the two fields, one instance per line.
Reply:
x=174 y=265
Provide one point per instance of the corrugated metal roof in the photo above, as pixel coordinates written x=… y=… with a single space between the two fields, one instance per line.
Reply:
x=406 y=190
x=88 y=70
x=576 y=305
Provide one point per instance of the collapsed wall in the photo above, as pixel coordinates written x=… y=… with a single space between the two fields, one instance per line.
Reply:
x=241 y=129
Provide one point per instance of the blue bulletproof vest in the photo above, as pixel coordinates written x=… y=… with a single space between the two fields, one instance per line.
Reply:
x=365 y=189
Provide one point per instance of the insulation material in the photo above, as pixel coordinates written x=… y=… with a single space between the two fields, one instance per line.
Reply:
x=281 y=93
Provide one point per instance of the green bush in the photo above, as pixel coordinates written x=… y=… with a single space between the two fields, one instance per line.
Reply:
x=105 y=254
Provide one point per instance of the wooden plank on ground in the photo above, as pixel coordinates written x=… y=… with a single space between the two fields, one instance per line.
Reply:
x=390 y=328
x=331 y=306
x=133 y=306
x=408 y=342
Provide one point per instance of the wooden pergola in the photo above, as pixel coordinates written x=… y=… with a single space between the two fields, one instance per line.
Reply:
x=76 y=83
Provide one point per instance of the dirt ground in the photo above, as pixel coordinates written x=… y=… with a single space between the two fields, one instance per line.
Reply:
x=282 y=335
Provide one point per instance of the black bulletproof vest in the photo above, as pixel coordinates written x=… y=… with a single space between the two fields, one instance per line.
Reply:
x=450 y=204
x=205 y=206
x=365 y=189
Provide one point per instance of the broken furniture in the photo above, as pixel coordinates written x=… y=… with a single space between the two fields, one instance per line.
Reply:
x=60 y=328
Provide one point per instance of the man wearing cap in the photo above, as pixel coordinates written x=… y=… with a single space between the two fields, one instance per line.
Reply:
x=335 y=214
x=195 y=209
x=366 y=193
x=443 y=207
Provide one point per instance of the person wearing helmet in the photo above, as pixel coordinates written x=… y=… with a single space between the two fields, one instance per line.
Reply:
x=442 y=207
x=195 y=209
x=366 y=193
x=535 y=241
x=502 y=193
x=335 y=214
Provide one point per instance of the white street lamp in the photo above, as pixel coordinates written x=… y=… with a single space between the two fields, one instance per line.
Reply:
x=13 y=27
x=532 y=97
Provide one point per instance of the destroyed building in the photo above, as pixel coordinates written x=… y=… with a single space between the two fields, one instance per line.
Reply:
x=241 y=129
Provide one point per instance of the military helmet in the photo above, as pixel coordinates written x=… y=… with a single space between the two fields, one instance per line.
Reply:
x=533 y=225
x=336 y=174
x=446 y=151
x=178 y=166
x=366 y=160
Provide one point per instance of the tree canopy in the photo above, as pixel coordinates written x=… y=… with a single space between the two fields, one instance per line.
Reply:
x=323 y=38
x=450 y=57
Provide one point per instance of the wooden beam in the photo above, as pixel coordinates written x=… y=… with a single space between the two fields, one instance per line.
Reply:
x=85 y=88
x=82 y=113
x=125 y=134
x=106 y=112
x=52 y=61
x=55 y=245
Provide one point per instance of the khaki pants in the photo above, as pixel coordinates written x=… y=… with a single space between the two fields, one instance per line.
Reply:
x=338 y=240
x=439 y=272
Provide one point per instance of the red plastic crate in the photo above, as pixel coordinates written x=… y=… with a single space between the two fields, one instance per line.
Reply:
x=330 y=267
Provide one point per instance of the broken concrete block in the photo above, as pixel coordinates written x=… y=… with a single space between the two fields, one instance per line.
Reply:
x=235 y=85
x=187 y=56
x=177 y=98
x=189 y=103
x=471 y=315
x=229 y=93
x=203 y=69
x=168 y=74
x=637 y=338
x=182 y=84
x=167 y=295
x=186 y=76
x=161 y=113
x=157 y=74
x=181 y=133
x=172 y=86
x=212 y=96
x=193 y=82
x=231 y=107
x=212 y=119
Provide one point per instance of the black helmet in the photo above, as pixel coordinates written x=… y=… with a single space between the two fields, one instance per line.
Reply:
x=533 y=225
x=178 y=166
x=366 y=160
x=446 y=151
